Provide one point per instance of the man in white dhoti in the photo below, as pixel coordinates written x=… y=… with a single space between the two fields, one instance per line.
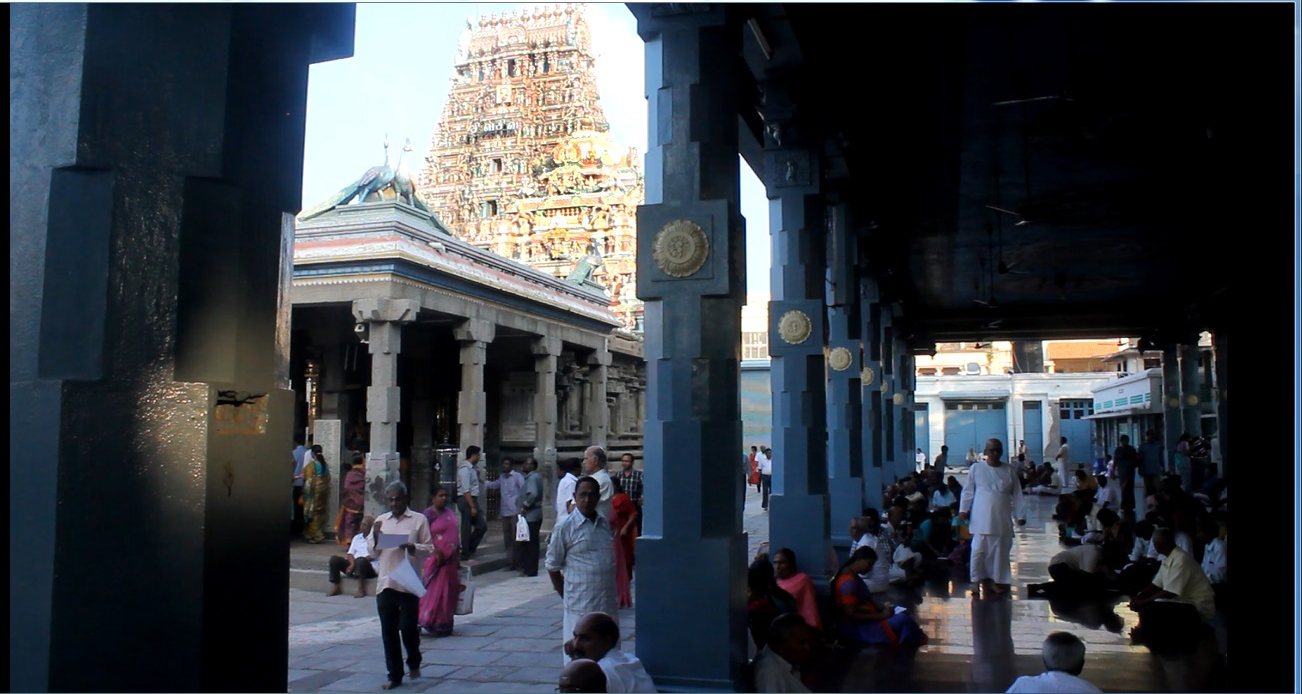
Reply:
x=991 y=497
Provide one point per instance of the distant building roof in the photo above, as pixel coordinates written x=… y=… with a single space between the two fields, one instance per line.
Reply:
x=1081 y=350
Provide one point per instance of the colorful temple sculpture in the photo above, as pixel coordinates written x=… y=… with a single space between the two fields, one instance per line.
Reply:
x=522 y=163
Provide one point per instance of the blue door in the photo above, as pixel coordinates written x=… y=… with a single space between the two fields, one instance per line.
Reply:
x=922 y=429
x=1033 y=429
x=1078 y=430
x=969 y=424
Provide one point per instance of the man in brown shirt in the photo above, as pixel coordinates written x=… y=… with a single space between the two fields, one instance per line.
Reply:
x=397 y=605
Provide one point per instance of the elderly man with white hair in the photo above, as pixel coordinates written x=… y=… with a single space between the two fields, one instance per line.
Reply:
x=1064 y=659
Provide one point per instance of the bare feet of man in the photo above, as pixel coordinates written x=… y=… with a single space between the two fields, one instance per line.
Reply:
x=334 y=590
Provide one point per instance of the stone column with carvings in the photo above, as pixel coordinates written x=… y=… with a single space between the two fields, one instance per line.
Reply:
x=691 y=274
x=472 y=403
x=890 y=411
x=799 y=509
x=384 y=319
x=545 y=351
x=870 y=381
x=597 y=411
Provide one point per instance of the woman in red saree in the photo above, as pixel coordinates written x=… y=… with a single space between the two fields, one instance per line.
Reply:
x=352 y=505
x=442 y=585
x=623 y=520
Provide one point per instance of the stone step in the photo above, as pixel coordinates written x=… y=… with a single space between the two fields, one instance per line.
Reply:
x=309 y=565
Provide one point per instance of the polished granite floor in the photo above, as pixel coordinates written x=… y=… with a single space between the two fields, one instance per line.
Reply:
x=982 y=645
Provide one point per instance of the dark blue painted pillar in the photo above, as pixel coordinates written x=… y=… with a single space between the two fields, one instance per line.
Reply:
x=890 y=408
x=1191 y=390
x=870 y=381
x=1172 y=421
x=1220 y=353
x=691 y=244
x=798 y=509
x=844 y=419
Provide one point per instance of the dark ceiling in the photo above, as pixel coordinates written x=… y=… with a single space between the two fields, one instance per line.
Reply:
x=1050 y=170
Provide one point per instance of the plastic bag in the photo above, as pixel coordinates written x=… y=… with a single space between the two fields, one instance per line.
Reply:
x=466 y=598
x=406 y=577
x=521 y=529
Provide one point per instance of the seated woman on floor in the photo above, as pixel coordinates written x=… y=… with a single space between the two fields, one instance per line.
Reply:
x=863 y=621
x=765 y=601
x=934 y=539
x=798 y=585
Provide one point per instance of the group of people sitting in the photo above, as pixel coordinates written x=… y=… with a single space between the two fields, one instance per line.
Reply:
x=1172 y=563
x=786 y=623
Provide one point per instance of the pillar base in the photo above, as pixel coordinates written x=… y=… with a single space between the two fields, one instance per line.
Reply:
x=708 y=654
x=799 y=523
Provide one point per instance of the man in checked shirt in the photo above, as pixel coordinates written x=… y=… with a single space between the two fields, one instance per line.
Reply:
x=581 y=560
x=630 y=481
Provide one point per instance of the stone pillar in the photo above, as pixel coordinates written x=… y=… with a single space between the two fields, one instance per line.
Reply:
x=908 y=415
x=422 y=433
x=152 y=187
x=1220 y=354
x=874 y=405
x=472 y=404
x=1190 y=391
x=329 y=435
x=691 y=274
x=844 y=416
x=1172 y=419
x=384 y=319
x=545 y=351
x=890 y=408
x=799 y=510
x=597 y=411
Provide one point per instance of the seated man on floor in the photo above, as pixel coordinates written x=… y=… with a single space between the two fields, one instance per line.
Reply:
x=777 y=667
x=356 y=564
x=1044 y=481
x=595 y=636
x=1064 y=659
x=1109 y=494
x=934 y=539
x=581 y=676
x=1175 y=609
x=1144 y=559
x=1214 y=553
x=1078 y=571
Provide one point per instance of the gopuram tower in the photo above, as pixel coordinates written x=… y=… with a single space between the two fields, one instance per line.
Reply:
x=522 y=163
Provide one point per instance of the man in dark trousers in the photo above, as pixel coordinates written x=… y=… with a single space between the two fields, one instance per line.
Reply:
x=531 y=507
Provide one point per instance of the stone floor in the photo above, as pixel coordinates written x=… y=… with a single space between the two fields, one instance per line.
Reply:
x=512 y=641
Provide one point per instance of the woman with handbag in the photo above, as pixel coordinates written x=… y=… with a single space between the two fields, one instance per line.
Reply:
x=442 y=568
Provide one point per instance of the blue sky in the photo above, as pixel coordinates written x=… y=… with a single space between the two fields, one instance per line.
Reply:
x=398 y=80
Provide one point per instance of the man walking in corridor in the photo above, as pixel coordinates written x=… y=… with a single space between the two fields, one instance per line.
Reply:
x=473 y=524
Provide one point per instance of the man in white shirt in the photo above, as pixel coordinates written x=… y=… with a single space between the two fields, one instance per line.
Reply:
x=1064 y=659
x=1109 y=495
x=920 y=459
x=357 y=563
x=1064 y=458
x=777 y=667
x=581 y=559
x=882 y=540
x=397 y=605
x=565 y=488
x=473 y=523
x=1214 y=553
x=596 y=636
x=766 y=474
x=594 y=465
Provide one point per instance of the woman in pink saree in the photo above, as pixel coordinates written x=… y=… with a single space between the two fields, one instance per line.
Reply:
x=442 y=584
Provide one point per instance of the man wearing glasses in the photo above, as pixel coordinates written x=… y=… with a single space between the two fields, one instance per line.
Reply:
x=581 y=559
x=396 y=604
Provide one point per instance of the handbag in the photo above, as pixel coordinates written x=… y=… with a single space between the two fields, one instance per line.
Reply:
x=406 y=577
x=521 y=529
x=466 y=598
